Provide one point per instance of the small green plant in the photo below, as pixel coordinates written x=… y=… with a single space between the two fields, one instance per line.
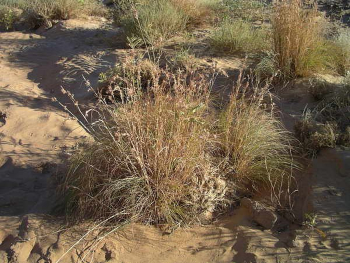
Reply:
x=7 y=17
x=239 y=36
x=266 y=68
x=310 y=220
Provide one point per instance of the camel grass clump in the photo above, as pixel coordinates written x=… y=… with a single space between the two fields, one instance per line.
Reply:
x=151 y=159
x=160 y=154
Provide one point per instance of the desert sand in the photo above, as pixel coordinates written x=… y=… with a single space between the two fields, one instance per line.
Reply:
x=36 y=133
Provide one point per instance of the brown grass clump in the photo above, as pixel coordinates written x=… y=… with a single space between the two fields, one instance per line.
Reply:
x=151 y=157
x=298 y=40
x=315 y=136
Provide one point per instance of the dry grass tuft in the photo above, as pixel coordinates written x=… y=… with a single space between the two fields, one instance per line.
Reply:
x=251 y=10
x=151 y=157
x=299 y=40
x=295 y=33
x=256 y=146
x=157 y=21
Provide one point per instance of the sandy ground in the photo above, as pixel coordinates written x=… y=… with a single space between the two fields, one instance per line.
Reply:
x=35 y=132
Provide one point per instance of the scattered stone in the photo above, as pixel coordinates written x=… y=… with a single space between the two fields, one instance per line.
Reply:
x=262 y=215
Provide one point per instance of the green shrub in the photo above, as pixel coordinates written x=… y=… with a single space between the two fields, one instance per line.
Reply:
x=239 y=36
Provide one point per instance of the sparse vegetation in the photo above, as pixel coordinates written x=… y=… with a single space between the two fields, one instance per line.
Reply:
x=343 y=41
x=327 y=125
x=199 y=12
x=154 y=21
x=38 y=13
x=186 y=124
x=315 y=136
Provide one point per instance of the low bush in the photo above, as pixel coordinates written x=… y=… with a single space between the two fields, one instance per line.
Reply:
x=235 y=36
x=314 y=136
x=156 y=21
x=162 y=155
